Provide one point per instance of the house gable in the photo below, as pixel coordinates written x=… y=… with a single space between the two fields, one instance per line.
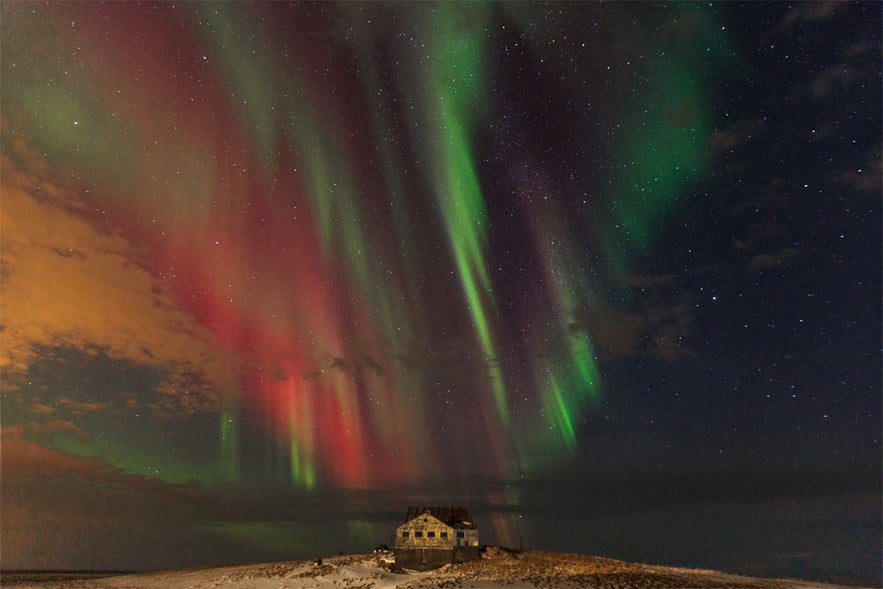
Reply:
x=425 y=531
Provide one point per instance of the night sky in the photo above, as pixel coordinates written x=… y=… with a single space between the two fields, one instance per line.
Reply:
x=609 y=274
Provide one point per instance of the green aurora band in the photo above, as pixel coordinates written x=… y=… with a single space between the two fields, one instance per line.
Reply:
x=453 y=92
x=662 y=151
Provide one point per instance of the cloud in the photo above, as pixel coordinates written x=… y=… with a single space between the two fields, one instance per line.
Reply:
x=639 y=280
x=741 y=132
x=867 y=179
x=68 y=284
x=621 y=332
x=836 y=80
x=455 y=357
x=759 y=234
x=45 y=430
x=851 y=78
x=765 y=233
x=328 y=363
x=804 y=12
x=372 y=365
x=778 y=259
x=657 y=322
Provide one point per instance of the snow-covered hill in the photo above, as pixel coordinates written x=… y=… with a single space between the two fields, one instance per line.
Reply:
x=497 y=569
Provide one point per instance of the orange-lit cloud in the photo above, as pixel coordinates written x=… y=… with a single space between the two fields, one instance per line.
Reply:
x=65 y=282
x=46 y=429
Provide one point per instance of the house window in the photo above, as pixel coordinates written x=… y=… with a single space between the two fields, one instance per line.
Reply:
x=444 y=534
x=430 y=534
x=418 y=534
x=461 y=535
x=404 y=534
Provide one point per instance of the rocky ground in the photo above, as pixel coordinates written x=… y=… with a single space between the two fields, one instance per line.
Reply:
x=549 y=569
x=498 y=568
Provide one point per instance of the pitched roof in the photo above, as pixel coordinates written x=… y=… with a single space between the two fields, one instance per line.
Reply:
x=449 y=515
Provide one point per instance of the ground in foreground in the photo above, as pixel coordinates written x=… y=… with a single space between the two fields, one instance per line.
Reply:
x=497 y=569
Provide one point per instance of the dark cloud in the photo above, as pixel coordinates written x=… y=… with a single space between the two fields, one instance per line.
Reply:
x=657 y=322
x=774 y=260
x=647 y=280
x=77 y=382
x=616 y=331
x=69 y=253
x=807 y=12
x=850 y=70
x=743 y=131
x=373 y=365
x=836 y=80
x=759 y=234
x=336 y=363
x=867 y=179
x=330 y=363
x=453 y=357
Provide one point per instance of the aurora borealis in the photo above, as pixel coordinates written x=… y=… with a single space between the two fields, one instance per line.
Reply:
x=271 y=272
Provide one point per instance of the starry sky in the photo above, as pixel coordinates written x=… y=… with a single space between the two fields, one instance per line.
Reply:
x=607 y=273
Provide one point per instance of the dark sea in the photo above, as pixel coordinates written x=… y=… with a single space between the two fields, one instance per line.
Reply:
x=50 y=578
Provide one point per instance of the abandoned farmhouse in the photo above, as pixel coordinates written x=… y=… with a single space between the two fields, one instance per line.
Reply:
x=435 y=536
